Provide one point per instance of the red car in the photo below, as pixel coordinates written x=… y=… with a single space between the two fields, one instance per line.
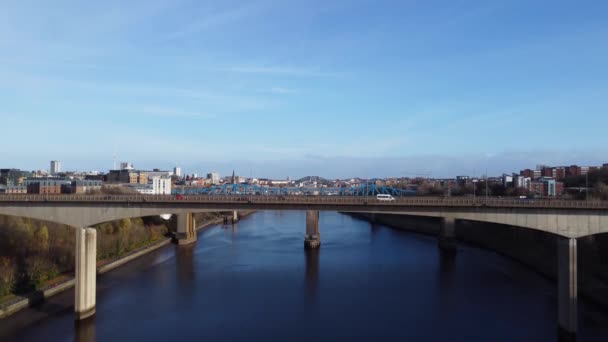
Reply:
x=179 y=196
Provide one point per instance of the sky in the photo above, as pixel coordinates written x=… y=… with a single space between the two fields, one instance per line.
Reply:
x=340 y=88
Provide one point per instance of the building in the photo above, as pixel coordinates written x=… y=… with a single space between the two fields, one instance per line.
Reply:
x=546 y=172
x=84 y=186
x=559 y=173
x=55 y=167
x=142 y=189
x=527 y=173
x=13 y=176
x=161 y=185
x=177 y=171
x=547 y=187
x=537 y=188
x=127 y=176
x=463 y=180
x=573 y=171
x=13 y=189
x=52 y=185
x=214 y=177
x=126 y=166
x=158 y=173
x=507 y=180
x=522 y=182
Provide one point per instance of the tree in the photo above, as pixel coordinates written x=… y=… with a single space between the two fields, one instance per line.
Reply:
x=124 y=227
x=8 y=276
x=39 y=270
x=600 y=190
x=41 y=239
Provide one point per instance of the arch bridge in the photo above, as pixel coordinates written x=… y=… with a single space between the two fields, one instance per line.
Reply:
x=253 y=189
x=567 y=219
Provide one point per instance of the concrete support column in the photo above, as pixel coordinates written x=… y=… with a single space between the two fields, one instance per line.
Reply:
x=312 y=239
x=567 y=291
x=86 y=272
x=447 y=231
x=186 y=229
x=235 y=216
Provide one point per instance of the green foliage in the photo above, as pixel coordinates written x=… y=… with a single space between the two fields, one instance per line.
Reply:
x=39 y=270
x=8 y=276
x=41 y=239
x=34 y=252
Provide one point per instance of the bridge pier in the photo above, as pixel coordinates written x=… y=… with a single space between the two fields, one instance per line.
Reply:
x=312 y=239
x=235 y=216
x=86 y=272
x=446 y=240
x=186 y=229
x=567 y=290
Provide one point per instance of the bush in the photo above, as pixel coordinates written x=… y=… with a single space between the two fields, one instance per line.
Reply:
x=39 y=270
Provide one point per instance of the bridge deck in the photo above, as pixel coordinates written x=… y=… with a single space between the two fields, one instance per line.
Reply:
x=308 y=200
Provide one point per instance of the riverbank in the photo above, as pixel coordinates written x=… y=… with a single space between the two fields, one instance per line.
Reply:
x=66 y=281
x=535 y=249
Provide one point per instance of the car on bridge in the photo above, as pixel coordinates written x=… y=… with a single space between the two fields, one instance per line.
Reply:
x=385 y=197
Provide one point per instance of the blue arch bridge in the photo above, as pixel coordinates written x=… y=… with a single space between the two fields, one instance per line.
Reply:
x=253 y=189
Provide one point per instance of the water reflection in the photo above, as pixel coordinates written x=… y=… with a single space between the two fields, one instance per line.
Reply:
x=312 y=272
x=446 y=273
x=84 y=330
x=185 y=265
x=235 y=230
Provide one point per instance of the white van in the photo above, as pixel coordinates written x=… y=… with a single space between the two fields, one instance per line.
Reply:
x=382 y=197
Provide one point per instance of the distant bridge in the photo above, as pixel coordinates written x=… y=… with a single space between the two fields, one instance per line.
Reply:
x=247 y=189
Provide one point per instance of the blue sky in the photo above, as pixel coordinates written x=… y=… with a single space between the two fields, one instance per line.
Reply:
x=276 y=88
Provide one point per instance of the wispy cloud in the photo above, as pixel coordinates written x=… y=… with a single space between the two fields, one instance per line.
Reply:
x=281 y=90
x=172 y=112
x=212 y=20
x=279 y=71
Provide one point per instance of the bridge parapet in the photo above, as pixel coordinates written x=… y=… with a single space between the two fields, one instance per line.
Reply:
x=295 y=199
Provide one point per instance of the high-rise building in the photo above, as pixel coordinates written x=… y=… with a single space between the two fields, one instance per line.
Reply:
x=55 y=167
x=177 y=171
x=214 y=177
x=161 y=185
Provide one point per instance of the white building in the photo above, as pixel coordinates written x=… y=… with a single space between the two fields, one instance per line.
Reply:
x=55 y=167
x=214 y=177
x=177 y=171
x=522 y=182
x=161 y=185
x=144 y=190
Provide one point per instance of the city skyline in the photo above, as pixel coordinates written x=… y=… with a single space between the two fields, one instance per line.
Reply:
x=343 y=89
x=225 y=172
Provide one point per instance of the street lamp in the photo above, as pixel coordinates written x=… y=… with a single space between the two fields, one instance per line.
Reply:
x=587 y=186
x=474 y=188
x=486 y=185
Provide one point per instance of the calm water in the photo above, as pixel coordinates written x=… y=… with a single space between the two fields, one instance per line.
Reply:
x=255 y=281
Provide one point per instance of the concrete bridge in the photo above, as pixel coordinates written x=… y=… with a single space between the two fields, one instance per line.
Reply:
x=568 y=219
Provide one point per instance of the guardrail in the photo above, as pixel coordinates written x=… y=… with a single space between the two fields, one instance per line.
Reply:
x=318 y=200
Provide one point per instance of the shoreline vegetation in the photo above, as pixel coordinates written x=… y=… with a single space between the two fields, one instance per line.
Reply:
x=37 y=257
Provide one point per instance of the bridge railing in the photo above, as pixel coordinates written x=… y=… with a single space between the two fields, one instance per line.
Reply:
x=319 y=200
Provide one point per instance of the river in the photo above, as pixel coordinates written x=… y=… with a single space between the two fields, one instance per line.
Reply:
x=255 y=281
